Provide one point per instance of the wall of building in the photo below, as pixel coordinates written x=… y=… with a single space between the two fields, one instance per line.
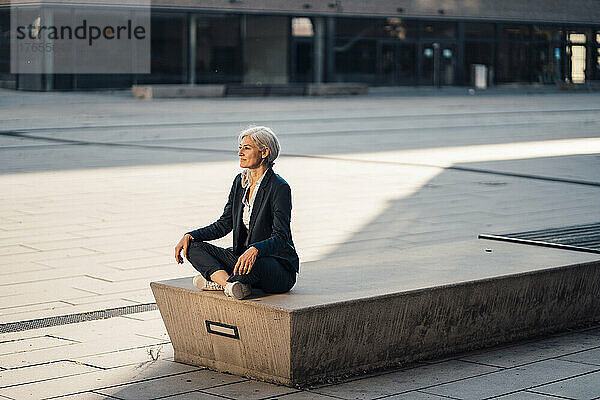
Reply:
x=576 y=11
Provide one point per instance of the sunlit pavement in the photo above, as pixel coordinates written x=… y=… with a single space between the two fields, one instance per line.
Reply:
x=96 y=189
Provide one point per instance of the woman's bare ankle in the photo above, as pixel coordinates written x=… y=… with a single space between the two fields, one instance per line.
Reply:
x=220 y=277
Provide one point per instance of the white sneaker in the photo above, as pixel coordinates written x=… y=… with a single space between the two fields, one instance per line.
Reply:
x=203 y=284
x=237 y=290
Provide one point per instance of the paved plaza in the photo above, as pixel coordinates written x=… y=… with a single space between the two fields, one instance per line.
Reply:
x=97 y=188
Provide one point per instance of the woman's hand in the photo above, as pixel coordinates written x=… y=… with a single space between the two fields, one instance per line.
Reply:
x=245 y=262
x=184 y=244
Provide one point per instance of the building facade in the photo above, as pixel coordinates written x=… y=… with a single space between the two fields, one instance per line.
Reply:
x=407 y=42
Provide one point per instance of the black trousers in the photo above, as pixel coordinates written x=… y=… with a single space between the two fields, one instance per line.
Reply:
x=266 y=273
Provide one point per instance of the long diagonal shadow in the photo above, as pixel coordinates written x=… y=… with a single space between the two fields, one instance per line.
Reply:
x=412 y=240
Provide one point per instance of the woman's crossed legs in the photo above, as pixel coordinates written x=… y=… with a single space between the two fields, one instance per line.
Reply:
x=216 y=264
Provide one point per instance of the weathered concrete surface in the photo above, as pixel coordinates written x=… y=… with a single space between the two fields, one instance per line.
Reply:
x=177 y=91
x=320 y=330
x=262 y=349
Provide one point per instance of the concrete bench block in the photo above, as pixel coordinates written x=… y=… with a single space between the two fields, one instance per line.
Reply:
x=177 y=91
x=336 y=89
x=430 y=306
x=265 y=90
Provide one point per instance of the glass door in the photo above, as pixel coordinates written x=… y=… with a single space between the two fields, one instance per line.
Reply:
x=439 y=64
x=302 y=60
x=397 y=63
x=577 y=55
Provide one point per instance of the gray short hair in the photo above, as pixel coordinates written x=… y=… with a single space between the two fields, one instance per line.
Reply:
x=264 y=138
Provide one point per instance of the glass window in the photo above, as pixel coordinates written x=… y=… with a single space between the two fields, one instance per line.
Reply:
x=356 y=61
x=218 y=49
x=478 y=53
x=445 y=73
x=168 y=44
x=397 y=64
x=580 y=35
x=577 y=37
x=513 y=62
x=514 y=32
x=439 y=30
x=302 y=27
x=547 y=32
x=397 y=28
x=597 y=66
x=480 y=31
x=4 y=41
x=545 y=65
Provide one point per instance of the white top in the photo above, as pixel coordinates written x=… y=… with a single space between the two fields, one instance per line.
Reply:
x=247 y=211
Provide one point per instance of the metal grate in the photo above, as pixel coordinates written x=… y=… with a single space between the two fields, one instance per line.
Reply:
x=74 y=318
x=576 y=237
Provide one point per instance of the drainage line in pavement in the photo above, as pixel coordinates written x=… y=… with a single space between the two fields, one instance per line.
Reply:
x=75 y=318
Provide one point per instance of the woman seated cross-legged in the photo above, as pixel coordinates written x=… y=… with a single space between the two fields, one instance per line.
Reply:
x=258 y=211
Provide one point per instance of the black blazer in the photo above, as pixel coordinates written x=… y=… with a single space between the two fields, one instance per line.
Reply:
x=269 y=228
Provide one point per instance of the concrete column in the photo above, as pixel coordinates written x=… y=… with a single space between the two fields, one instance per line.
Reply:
x=419 y=53
x=48 y=20
x=192 y=49
x=319 y=48
x=330 y=49
x=461 y=74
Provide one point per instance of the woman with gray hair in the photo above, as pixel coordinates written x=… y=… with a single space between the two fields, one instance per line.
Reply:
x=258 y=211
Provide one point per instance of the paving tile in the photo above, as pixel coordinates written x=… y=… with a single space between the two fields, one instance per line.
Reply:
x=304 y=395
x=83 y=396
x=96 y=380
x=250 y=390
x=416 y=395
x=405 y=380
x=34 y=307
x=100 y=305
x=196 y=395
x=587 y=357
x=113 y=275
x=142 y=296
x=41 y=372
x=110 y=329
x=142 y=262
x=160 y=387
x=510 y=380
x=35 y=288
x=49 y=274
x=15 y=249
x=102 y=287
x=584 y=387
x=527 y=395
x=31 y=344
x=115 y=359
x=8 y=269
x=47 y=296
x=45 y=255
x=94 y=258
x=90 y=347
x=524 y=353
x=93 y=298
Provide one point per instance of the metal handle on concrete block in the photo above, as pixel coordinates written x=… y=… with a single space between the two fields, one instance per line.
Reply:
x=220 y=329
